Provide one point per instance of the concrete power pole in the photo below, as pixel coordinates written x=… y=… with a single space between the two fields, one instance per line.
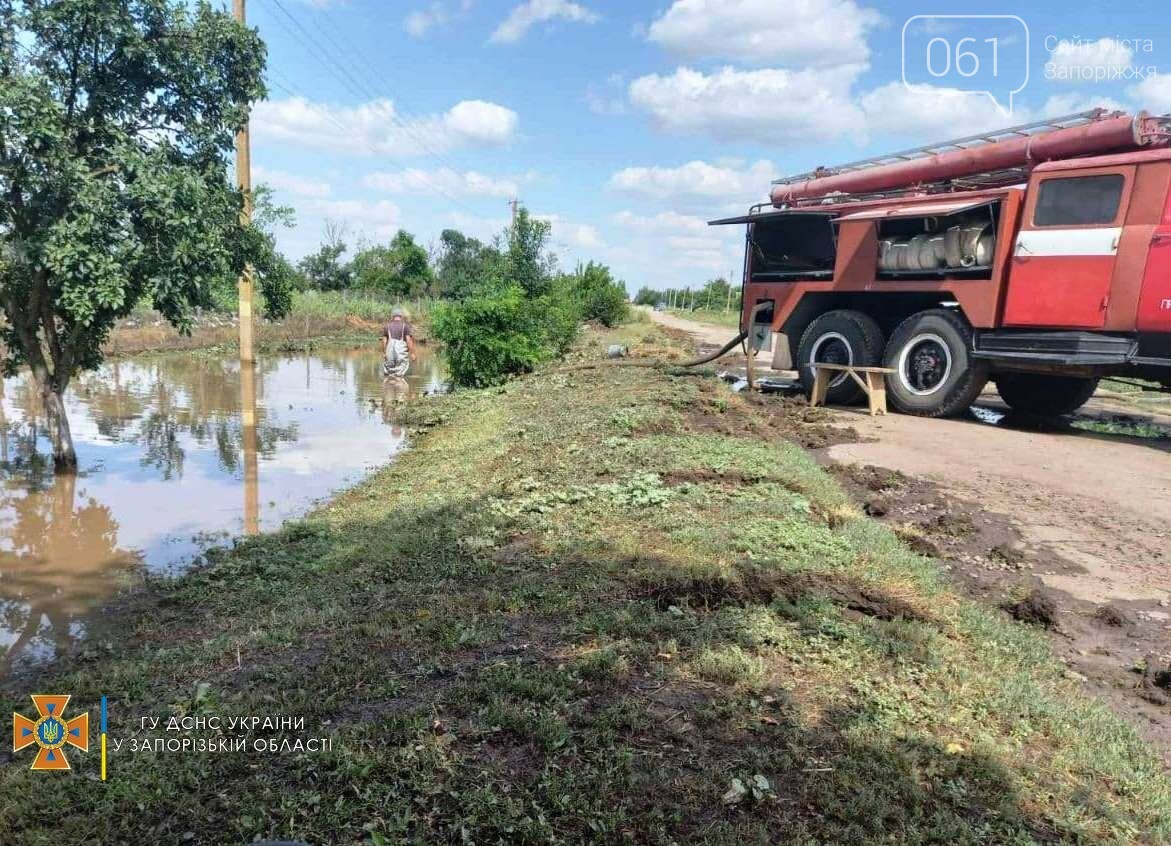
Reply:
x=244 y=181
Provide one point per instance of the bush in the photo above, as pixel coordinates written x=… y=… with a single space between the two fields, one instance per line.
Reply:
x=601 y=297
x=491 y=336
x=559 y=314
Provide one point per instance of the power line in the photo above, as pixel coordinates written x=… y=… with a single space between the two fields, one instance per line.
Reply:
x=287 y=88
x=362 y=59
x=302 y=35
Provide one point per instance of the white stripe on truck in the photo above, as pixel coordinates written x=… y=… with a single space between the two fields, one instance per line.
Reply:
x=1068 y=242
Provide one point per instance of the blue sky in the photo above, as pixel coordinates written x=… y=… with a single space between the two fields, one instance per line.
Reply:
x=630 y=124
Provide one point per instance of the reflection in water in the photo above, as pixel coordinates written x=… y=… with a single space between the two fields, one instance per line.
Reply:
x=173 y=456
x=251 y=466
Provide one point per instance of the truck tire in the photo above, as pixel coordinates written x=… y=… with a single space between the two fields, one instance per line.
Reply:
x=935 y=373
x=839 y=337
x=1044 y=394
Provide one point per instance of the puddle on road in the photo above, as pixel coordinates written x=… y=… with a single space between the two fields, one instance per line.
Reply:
x=1102 y=423
x=176 y=454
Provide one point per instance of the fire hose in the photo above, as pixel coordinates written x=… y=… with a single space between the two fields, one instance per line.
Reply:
x=695 y=362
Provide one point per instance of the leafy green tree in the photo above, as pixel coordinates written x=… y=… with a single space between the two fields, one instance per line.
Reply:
x=715 y=293
x=401 y=268
x=116 y=121
x=465 y=264
x=600 y=297
x=325 y=270
x=528 y=261
x=648 y=296
x=281 y=277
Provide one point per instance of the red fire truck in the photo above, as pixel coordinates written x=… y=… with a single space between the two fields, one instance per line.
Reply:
x=1038 y=257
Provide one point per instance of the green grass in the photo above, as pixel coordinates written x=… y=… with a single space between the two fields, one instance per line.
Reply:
x=362 y=304
x=578 y=609
x=719 y=317
x=316 y=317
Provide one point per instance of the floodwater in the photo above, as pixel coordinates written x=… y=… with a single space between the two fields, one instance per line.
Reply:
x=176 y=453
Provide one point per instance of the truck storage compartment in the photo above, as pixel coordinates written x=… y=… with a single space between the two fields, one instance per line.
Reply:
x=794 y=246
x=960 y=242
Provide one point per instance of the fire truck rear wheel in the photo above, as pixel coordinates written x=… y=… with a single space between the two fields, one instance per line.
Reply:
x=1044 y=394
x=839 y=337
x=935 y=373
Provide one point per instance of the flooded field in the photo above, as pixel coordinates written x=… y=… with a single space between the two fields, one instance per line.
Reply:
x=175 y=454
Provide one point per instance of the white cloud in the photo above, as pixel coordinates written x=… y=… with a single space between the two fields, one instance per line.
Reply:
x=580 y=236
x=1068 y=104
x=442 y=180
x=697 y=183
x=571 y=240
x=682 y=241
x=375 y=128
x=291 y=183
x=528 y=14
x=607 y=99
x=380 y=219
x=421 y=21
x=1153 y=94
x=808 y=33
x=770 y=105
x=670 y=249
x=1088 y=61
x=929 y=113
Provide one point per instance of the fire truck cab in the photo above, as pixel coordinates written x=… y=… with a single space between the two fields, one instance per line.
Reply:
x=1038 y=257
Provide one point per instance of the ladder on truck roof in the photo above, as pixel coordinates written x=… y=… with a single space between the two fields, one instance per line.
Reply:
x=990 y=179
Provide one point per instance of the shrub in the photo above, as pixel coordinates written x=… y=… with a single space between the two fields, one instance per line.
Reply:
x=601 y=297
x=559 y=314
x=491 y=336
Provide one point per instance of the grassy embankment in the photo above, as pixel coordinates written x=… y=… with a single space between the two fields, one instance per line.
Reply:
x=331 y=317
x=602 y=604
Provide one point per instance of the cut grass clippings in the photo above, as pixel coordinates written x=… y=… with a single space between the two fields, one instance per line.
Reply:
x=596 y=605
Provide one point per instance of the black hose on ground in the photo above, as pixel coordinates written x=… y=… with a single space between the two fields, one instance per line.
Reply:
x=723 y=351
x=656 y=362
x=727 y=348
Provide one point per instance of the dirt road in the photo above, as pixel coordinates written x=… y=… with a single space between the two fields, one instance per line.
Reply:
x=707 y=334
x=1102 y=501
x=1089 y=514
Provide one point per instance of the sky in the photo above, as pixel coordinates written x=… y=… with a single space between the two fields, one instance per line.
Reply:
x=628 y=125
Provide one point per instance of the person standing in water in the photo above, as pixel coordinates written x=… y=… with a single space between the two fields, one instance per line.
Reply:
x=398 y=346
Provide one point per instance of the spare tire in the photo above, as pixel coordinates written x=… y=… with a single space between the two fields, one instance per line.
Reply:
x=935 y=373
x=839 y=337
x=1044 y=394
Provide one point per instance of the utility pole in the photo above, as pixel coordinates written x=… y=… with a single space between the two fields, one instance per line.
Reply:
x=513 y=204
x=244 y=181
x=247 y=371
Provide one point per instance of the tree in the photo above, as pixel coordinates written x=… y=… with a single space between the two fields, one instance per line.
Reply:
x=400 y=269
x=465 y=264
x=324 y=269
x=715 y=293
x=648 y=296
x=600 y=297
x=528 y=262
x=280 y=277
x=116 y=121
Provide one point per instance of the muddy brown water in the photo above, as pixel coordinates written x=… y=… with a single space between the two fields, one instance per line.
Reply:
x=176 y=454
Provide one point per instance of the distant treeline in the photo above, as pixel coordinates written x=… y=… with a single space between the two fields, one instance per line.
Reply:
x=717 y=295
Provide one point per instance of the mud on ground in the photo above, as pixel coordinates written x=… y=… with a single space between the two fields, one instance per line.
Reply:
x=1119 y=651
